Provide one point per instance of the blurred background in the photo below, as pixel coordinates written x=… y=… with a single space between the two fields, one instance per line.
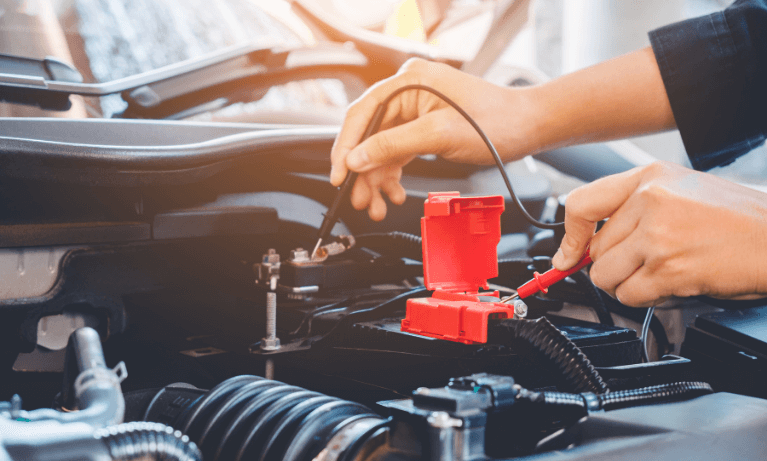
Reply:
x=110 y=39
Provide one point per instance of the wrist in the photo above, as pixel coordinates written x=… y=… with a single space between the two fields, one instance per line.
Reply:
x=525 y=132
x=551 y=122
x=758 y=265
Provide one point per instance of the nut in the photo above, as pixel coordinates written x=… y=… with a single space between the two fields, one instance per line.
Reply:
x=299 y=255
x=270 y=344
x=520 y=308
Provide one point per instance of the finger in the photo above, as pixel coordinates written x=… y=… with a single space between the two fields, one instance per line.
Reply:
x=394 y=191
x=587 y=205
x=359 y=115
x=642 y=289
x=430 y=134
x=361 y=194
x=618 y=264
x=338 y=172
x=377 y=209
x=618 y=228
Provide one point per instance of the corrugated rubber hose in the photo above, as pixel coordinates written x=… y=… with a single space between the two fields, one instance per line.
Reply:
x=654 y=394
x=147 y=440
x=574 y=406
x=577 y=370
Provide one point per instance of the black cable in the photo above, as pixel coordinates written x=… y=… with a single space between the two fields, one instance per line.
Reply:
x=318 y=310
x=732 y=304
x=653 y=394
x=488 y=143
x=352 y=316
x=578 y=372
x=592 y=293
x=584 y=403
x=408 y=245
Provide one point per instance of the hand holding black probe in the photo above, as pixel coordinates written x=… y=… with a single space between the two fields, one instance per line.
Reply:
x=345 y=189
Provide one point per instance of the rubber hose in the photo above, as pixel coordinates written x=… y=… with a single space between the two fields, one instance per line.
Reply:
x=393 y=243
x=575 y=367
x=654 y=394
x=574 y=406
x=252 y=418
x=146 y=440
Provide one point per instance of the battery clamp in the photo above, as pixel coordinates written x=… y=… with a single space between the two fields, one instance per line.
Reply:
x=460 y=237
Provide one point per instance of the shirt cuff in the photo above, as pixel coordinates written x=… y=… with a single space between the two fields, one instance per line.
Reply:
x=707 y=77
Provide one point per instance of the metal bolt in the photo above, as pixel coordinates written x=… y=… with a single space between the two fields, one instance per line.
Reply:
x=520 y=308
x=271 y=269
x=271 y=342
x=271 y=315
x=442 y=420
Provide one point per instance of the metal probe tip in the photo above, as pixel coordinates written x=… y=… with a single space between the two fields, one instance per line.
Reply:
x=316 y=247
x=510 y=298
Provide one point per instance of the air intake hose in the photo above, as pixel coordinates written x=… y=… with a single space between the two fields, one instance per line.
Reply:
x=252 y=418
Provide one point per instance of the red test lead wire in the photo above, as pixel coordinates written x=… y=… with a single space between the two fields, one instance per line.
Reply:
x=542 y=282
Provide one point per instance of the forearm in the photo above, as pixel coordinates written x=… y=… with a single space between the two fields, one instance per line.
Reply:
x=614 y=99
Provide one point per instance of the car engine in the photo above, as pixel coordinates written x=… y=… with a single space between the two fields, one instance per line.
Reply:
x=160 y=298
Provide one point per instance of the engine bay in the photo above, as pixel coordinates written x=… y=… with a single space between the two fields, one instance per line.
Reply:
x=162 y=296
x=217 y=322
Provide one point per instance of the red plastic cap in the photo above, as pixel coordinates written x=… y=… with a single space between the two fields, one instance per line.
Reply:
x=460 y=239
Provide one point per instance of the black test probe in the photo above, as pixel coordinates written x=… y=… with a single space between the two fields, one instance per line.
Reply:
x=346 y=188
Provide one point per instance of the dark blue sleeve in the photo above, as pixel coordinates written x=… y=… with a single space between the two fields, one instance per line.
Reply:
x=715 y=72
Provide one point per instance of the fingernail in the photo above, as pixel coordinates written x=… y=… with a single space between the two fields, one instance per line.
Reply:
x=333 y=173
x=559 y=259
x=357 y=159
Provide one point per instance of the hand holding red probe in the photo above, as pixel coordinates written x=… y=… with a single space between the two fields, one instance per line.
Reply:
x=671 y=231
x=542 y=282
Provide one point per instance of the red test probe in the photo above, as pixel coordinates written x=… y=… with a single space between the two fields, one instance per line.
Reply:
x=542 y=282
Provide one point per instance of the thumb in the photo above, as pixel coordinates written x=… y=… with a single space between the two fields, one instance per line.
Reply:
x=397 y=145
x=585 y=207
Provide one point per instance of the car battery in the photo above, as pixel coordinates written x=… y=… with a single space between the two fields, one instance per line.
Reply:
x=729 y=349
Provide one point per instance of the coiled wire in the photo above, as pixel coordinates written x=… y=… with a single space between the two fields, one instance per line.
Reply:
x=654 y=394
x=571 y=407
x=147 y=440
x=577 y=370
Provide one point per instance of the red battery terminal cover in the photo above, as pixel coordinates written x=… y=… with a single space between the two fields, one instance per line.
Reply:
x=460 y=237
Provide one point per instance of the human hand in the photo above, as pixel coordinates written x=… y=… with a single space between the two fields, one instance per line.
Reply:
x=417 y=122
x=671 y=231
